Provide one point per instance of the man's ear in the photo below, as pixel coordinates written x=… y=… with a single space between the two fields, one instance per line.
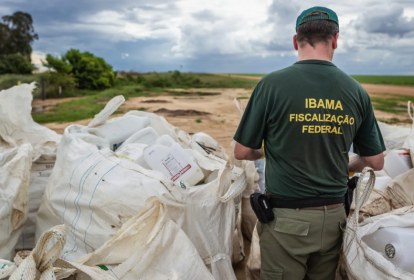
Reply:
x=295 y=43
x=335 y=41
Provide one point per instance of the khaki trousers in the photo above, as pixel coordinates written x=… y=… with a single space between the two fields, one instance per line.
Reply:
x=301 y=244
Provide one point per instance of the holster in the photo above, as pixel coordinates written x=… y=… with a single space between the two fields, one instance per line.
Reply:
x=349 y=195
x=261 y=206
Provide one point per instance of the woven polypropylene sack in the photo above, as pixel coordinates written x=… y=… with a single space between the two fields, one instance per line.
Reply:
x=17 y=128
x=150 y=246
x=44 y=263
x=394 y=136
x=254 y=263
x=93 y=193
x=400 y=190
x=14 y=196
x=362 y=262
x=409 y=141
x=210 y=216
x=15 y=117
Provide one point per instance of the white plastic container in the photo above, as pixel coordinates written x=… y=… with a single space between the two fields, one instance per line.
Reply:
x=146 y=136
x=133 y=152
x=380 y=182
x=118 y=130
x=171 y=159
x=190 y=153
x=395 y=244
x=93 y=139
x=397 y=162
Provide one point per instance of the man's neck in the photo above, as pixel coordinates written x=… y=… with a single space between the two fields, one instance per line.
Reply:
x=320 y=52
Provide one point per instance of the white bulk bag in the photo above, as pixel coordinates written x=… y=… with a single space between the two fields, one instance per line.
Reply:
x=39 y=176
x=393 y=135
x=150 y=246
x=17 y=128
x=14 y=196
x=45 y=264
x=248 y=217
x=210 y=216
x=362 y=262
x=409 y=141
x=93 y=193
x=254 y=263
x=400 y=191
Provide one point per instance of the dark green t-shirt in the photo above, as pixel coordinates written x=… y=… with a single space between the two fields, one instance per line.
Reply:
x=308 y=115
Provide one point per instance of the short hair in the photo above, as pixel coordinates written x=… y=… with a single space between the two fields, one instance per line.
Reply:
x=316 y=31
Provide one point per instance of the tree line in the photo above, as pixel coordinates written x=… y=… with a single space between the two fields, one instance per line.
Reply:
x=75 y=69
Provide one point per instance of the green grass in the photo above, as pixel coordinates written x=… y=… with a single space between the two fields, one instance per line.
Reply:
x=185 y=80
x=396 y=121
x=86 y=107
x=386 y=80
x=255 y=75
x=396 y=104
x=243 y=97
x=198 y=121
x=368 y=79
x=9 y=80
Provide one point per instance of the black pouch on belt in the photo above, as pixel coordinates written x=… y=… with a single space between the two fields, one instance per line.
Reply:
x=349 y=195
x=261 y=207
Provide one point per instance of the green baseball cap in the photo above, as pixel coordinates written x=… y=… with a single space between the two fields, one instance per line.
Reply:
x=327 y=14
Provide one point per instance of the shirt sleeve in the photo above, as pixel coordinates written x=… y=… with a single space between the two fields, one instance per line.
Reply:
x=251 y=130
x=368 y=140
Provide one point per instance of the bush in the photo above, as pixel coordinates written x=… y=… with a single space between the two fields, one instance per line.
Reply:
x=154 y=82
x=60 y=65
x=90 y=72
x=52 y=82
x=15 y=64
x=9 y=80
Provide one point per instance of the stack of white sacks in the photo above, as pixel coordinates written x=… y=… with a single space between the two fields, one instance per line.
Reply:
x=22 y=139
x=141 y=199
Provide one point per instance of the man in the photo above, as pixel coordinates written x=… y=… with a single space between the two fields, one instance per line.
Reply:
x=307 y=116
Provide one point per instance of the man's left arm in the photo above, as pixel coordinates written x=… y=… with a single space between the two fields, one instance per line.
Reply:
x=245 y=153
x=250 y=133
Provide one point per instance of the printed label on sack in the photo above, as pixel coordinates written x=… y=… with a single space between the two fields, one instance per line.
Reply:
x=42 y=168
x=406 y=158
x=176 y=165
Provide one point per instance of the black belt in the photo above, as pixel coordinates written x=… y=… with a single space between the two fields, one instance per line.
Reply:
x=306 y=202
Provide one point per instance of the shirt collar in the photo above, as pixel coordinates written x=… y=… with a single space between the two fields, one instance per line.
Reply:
x=316 y=61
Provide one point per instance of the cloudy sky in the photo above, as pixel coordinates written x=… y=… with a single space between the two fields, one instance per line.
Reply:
x=227 y=36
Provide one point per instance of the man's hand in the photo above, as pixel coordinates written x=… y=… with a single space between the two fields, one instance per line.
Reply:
x=358 y=163
x=244 y=153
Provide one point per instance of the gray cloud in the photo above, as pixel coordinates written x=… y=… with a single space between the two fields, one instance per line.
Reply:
x=245 y=36
x=206 y=15
x=284 y=12
x=385 y=20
